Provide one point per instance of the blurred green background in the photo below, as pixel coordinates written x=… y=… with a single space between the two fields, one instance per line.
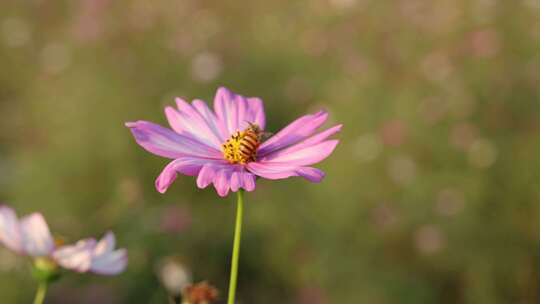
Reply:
x=432 y=195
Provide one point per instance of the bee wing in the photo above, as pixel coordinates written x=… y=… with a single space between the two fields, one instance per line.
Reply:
x=251 y=124
x=266 y=135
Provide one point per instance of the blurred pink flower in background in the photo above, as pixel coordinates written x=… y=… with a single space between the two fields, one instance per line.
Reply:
x=89 y=24
x=223 y=147
x=437 y=67
x=175 y=219
x=482 y=154
x=174 y=275
x=429 y=239
x=206 y=66
x=463 y=135
x=384 y=216
x=393 y=133
x=485 y=43
x=30 y=236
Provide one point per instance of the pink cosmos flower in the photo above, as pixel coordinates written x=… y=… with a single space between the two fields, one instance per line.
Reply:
x=224 y=147
x=30 y=236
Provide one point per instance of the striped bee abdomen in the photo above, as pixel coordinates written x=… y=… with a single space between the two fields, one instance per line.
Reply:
x=242 y=146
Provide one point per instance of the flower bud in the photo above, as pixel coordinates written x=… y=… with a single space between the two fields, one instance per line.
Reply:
x=200 y=293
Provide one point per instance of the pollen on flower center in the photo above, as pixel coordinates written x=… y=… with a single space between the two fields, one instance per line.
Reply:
x=241 y=147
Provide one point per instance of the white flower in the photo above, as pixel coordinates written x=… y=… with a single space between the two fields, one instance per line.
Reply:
x=30 y=236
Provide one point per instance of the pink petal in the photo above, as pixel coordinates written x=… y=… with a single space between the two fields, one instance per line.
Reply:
x=248 y=181
x=166 y=143
x=225 y=177
x=185 y=165
x=37 y=239
x=222 y=182
x=272 y=171
x=10 y=232
x=189 y=122
x=106 y=260
x=105 y=245
x=239 y=102
x=255 y=112
x=242 y=178
x=311 y=174
x=211 y=119
x=236 y=181
x=312 y=140
x=235 y=112
x=302 y=156
x=111 y=263
x=206 y=176
x=296 y=131
x=225 y=110
x=76 y=257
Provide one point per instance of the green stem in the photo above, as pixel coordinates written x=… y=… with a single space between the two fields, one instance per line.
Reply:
x=40 y=293
x=236 y=247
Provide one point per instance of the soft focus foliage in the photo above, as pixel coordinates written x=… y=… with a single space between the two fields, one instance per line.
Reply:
x=432 y=195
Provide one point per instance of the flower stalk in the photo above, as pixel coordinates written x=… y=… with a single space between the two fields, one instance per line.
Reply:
x=236 y=247
x=41 y=292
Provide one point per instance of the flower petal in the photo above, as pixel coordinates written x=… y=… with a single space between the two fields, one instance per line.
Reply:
x=206 y=176
x=225 y=177
x=312 y=140
x=272 y=171
x=190 y=166
x=37 y=239
x=106 y=260
x=76 y=257
x=10 y=232
x=298 y=157
x=189 y=122
x=225 y=110
x=235 y=112
x=313 y=175
x=166 y=143
x=236 y=181
x=111 y=263
x=248 y=181
x=241 y=178
x=296 y=131
x=105 y=245
x=210 y=118
x=255 y=112
x=222 y=182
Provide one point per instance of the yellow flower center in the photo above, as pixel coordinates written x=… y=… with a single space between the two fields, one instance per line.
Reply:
x=242 y=147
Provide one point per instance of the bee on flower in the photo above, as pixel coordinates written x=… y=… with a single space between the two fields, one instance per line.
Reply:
x=226 y=147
